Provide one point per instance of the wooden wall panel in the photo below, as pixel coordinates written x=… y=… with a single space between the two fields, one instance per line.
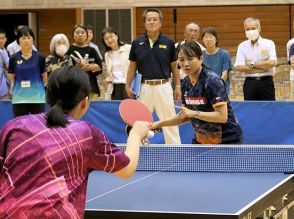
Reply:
x=291 y=28
x=228 y=22
x=51 y=22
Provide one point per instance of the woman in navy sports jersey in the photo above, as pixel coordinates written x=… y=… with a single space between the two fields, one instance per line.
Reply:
x=205 y=101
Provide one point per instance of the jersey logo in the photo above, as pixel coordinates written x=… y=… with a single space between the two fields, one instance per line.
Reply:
x=19 y=62
x=162 y=46
x=195 y=101
x=141 y=43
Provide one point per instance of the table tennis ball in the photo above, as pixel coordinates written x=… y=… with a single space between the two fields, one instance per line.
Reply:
x=150 y=134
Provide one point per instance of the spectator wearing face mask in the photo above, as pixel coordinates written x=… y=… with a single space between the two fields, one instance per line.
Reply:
x=58 y=47
x=256 y=57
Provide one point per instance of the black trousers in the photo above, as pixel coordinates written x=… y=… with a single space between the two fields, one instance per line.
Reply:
x=119 y=92
x=27 y=108
x=259 y=88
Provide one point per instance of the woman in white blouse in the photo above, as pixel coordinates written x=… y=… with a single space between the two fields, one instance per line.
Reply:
x=117 y=62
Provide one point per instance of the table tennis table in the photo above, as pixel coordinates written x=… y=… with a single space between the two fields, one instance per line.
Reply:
x=211 y=182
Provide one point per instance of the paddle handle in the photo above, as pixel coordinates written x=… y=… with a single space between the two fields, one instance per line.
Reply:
x=150 y=134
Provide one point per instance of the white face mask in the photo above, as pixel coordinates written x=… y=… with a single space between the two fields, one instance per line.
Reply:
x=61 y=50
x=252 y=34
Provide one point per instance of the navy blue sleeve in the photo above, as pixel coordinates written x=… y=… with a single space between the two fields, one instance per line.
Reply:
x=132 y=56
x=291 y=52
x=173 y=55
x=216 y=90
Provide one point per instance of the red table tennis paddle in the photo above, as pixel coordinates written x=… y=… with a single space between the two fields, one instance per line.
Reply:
x=131 y=111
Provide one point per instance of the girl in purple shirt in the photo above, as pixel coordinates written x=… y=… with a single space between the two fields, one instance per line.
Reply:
x=45 y=159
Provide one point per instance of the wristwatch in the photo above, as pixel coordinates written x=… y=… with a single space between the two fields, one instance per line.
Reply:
x=252 y=64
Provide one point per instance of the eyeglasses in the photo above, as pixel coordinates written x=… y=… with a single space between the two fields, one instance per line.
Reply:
x=193 y=31
x=109 y=36
x=78 y=32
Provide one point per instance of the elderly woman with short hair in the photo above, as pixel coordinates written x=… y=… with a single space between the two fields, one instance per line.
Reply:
x=58 y=58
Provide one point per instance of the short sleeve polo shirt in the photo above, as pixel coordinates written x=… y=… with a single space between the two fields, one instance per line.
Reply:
x=153 y=62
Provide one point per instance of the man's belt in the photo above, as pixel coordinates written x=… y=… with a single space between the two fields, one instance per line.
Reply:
x=263 y=78
x=155 y=81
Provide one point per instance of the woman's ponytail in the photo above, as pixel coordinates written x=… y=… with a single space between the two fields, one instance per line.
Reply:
x=67 y=86
x=55 y=116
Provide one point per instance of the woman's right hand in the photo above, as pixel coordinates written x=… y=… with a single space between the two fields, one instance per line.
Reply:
x=141 y=129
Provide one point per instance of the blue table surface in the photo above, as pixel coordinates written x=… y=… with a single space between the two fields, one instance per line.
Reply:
x=190 y=192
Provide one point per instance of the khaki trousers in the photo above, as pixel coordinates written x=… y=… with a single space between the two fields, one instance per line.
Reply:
x=159 y=98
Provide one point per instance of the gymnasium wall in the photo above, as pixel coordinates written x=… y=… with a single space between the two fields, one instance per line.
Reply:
x=228 y=22
x=227 y=19
x=51 y=22
x=33 y=4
